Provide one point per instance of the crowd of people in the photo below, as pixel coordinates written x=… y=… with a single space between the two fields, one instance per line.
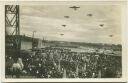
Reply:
x=51 y=62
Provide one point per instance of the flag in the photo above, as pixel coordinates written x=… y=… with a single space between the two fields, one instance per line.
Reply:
x=64 y=74
x=59 y=68
x=77 y=71
x=99 y=74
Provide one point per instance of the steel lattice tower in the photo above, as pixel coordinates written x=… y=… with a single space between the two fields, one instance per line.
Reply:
x=12 y=28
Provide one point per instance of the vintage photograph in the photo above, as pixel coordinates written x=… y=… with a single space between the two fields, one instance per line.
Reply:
x=63 y=41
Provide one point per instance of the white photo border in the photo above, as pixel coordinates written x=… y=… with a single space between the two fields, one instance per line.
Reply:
x=124 y=40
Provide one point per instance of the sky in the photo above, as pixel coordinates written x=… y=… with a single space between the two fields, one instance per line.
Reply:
x=47 y=21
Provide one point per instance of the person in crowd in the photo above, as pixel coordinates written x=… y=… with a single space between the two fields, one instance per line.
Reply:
x=64 y=63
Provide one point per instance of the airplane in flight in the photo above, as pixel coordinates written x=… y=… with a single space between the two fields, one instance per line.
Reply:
x=110 y=35
x=66 y=16
x=101 y=25
x=74 y=7
x=89 y=15
x=61 y=34
x=64 y=25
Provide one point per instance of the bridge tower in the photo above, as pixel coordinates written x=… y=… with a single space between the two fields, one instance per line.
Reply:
x=12 y=28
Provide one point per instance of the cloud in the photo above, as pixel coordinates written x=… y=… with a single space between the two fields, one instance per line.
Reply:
x=47 y=21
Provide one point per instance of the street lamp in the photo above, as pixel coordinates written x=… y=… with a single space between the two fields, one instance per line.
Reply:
x=33 y=39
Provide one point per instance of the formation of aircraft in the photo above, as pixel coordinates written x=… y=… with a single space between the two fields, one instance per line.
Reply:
x=90 y=15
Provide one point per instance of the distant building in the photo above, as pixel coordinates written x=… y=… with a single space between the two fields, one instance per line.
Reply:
x=26 y=42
